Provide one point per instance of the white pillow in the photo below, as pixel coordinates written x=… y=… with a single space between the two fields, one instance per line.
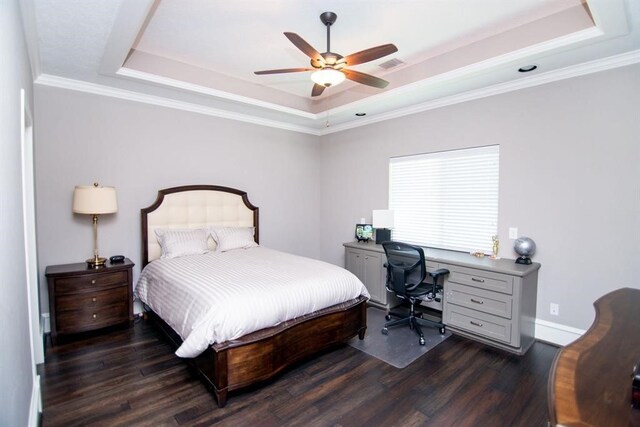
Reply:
x=228 y=238
x=176 y=243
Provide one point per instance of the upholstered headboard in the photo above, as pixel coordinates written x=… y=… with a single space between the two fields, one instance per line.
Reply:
x=195 y=206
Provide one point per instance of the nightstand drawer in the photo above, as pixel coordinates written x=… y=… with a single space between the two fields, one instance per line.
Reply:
x=479 y=299
x=89 y=318
x=89 y=281
x=92 y=300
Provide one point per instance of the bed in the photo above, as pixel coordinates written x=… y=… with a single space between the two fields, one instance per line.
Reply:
x=258 y=356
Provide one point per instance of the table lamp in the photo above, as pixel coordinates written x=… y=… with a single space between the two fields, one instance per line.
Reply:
x=382 y=222
x=95 y=200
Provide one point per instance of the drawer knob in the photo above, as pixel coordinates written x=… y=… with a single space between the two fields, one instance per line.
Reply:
x=472 y=300
x=93 y=299
x=93 y=282
x=94 y=315
x=475 y=279
x=471 y=321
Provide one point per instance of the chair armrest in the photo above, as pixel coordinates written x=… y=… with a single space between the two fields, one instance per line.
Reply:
x=437 y=273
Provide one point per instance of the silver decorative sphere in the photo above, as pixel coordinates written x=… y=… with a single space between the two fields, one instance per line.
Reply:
x=525 y=247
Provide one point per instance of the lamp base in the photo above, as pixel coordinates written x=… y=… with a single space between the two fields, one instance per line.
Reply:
x=96 y=262
x=382 y=235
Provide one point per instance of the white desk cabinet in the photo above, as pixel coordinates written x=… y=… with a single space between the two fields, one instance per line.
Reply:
x=492 y=301
x=368 y=266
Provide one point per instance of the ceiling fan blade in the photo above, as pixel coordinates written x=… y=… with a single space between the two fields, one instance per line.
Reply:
x=317 y=89
x=284 y=70
x=305 y=47
x=365 y=79
x=370 y=54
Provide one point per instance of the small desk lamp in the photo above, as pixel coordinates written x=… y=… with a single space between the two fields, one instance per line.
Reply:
x=382 y=222
x=95 y=200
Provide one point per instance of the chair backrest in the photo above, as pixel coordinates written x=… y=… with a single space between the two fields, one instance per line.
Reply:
x=405 y=266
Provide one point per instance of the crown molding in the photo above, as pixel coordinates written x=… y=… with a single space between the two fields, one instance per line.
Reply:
x=590 y=67
x=97 y=89
x=611 y=62
x=182 y=85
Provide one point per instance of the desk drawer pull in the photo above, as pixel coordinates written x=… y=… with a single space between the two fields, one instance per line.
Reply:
x=476 y=301
x=477 y=280
x=93 y=282
x=95 y=316
x=475 y=323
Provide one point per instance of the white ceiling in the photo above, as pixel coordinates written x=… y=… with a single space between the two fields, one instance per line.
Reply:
x=200 y=55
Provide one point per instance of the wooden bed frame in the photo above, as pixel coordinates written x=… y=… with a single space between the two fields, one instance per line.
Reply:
x=261 y=355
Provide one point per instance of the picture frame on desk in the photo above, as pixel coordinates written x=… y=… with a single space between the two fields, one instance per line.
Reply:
x=364 y=232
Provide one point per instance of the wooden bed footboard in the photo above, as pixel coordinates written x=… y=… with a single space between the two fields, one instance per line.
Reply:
x=261 y=355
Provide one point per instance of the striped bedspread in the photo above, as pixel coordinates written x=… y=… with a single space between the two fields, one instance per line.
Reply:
x=221 y=296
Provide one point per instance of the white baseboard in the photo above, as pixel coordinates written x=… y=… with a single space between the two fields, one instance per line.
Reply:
x=556 y=333
x=36 y=403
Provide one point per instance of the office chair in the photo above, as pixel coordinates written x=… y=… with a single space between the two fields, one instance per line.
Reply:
x=406 y=272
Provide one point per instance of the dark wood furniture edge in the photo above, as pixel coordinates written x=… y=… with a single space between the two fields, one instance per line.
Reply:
x=216 y=365
x=553 y=419
x=160 y=197
x=551 y=395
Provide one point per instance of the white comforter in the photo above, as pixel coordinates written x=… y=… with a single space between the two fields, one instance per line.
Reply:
x=221 y=296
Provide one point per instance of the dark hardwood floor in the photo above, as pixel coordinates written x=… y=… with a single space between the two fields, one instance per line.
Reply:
x=131 y=377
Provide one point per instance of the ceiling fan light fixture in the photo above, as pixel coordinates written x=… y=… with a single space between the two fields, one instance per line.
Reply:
x=327 y=77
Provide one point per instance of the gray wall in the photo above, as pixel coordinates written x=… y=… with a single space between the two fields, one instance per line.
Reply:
x=569 y=175
x=140 y=149
x=16 y=370
x=569 y=178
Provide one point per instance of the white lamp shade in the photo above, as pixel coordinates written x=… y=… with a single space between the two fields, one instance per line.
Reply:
x=327 y=77
x=89 y=199
x=383 y=218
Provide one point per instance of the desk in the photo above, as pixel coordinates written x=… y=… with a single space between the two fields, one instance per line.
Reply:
x=492 y=301
x=590 y=380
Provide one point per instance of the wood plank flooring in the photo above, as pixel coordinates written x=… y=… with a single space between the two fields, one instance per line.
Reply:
x=131 y=377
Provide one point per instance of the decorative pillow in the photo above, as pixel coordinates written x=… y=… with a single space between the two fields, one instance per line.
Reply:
x=180 y=242
x=228 y=238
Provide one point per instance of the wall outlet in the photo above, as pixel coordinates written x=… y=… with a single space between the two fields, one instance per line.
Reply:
x=554 y=309
x=513 y=233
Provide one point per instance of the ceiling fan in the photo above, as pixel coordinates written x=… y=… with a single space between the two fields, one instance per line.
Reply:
x=329 y=67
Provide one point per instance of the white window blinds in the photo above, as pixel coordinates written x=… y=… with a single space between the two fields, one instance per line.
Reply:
x=446 y=200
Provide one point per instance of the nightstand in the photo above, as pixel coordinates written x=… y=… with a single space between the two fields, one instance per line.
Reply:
x=84 y=299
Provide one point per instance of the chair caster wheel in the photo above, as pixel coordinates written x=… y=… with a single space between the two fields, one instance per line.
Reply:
x=442 y=331
x=421 y=340
x=387 y=317
x=384 y=331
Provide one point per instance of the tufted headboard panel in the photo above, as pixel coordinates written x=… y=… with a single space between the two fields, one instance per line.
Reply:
x=195 y=206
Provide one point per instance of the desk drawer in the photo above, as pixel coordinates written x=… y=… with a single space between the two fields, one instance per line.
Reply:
x=479 y=299
x=482 y=324
x=89 y=282
x=482 y=279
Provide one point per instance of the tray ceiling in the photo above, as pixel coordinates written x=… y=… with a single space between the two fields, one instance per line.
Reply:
x=202 y=54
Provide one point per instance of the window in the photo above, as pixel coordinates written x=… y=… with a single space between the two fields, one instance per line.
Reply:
x=446 y=200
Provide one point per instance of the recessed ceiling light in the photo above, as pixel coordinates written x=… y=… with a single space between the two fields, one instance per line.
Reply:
x=527 y=68
x=361 y=114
